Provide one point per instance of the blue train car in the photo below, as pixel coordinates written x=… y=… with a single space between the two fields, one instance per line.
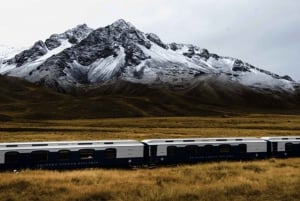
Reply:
x=127 y=153
x=71 y=154
x=172 y=151
x=283 y=146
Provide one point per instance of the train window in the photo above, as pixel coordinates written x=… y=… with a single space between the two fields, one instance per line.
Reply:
x=85 y=143
x=208 y=149
x=171 y=151
x=39 y=145
x=64 y=155
x=11 y=157
x=39 y=156
x=224 y=148
x=188 y=140
x=86 y=154
x=110 y=153
x=12 y=145
x=242 y=148
x=191 y=150
x=289 y=147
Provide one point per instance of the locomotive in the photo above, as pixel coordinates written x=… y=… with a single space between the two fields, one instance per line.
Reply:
x=148 y=152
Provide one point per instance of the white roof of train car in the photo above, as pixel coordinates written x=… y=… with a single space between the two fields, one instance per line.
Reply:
x=68 y=144
x=69 y=147
x=202 y=140
x=283 y=139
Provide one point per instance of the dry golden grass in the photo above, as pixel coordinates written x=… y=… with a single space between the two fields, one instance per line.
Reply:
x=156 y=127
x=265 y=180
x=257 y=180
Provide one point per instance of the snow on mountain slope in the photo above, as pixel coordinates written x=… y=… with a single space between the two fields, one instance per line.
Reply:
x=12 y=70
x=251 y=76
x=262 y=80
x=86 y=57
x=167 y=66
x=21 y=64
x=105 y=68
x=7 y=52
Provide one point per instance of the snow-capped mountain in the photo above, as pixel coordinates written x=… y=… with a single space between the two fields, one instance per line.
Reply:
x=83 y=57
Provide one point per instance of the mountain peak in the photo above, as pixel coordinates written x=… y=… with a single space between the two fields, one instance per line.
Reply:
x=122 y=24
x=80 y=32
x=82 y=26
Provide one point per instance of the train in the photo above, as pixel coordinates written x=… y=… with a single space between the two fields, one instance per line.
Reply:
x=148 y=152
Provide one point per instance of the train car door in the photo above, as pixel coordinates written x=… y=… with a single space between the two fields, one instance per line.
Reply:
x=274 y=148
x=153 y=154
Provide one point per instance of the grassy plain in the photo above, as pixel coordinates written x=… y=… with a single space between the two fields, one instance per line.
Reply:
x=150 y=127
x=265 y=180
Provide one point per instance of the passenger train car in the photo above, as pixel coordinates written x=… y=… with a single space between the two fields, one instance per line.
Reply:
x=71 y=154
x=128 y=153
x=170 y=151
x=283 y=146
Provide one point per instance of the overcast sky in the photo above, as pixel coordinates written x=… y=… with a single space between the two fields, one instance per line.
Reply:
x=265 y=33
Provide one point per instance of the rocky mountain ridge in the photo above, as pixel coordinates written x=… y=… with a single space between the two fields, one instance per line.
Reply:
x=85 y=58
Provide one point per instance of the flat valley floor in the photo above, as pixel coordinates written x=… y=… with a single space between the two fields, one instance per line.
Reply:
x=263 y=180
